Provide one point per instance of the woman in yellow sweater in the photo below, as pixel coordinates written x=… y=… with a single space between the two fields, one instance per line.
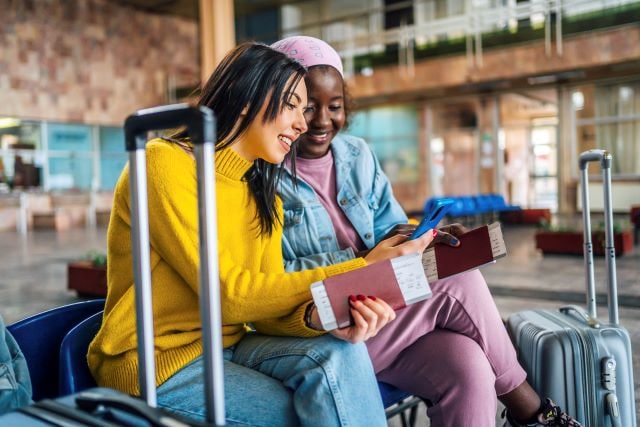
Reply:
x=287 y=372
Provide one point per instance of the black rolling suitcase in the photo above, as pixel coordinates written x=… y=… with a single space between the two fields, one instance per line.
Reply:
x=581 y=362
x=105 y=407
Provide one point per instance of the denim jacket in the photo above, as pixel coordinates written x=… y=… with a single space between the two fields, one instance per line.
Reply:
x=363 y=193
x=15 y=383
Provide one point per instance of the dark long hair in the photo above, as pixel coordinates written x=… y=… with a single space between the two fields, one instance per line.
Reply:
x=249 y=75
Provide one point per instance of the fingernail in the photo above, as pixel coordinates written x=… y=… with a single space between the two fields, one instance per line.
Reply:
x=454 y=241
x=361 y=297
x=371 y=297
x=352 y=298
x=434 y=232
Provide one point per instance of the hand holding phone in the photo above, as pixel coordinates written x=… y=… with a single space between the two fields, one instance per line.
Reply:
x=432 y=218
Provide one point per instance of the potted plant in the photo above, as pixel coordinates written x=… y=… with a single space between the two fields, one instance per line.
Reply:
x=88 y=277
x=567 y=240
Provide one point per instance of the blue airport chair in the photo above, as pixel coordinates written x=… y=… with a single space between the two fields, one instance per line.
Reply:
x=398 y=402
x=486 y=207
x=74 y=375
x=500 y=205
x=464 y=210
x=484 y=203
x=458 y=209
x=470 y=206
x=432 y=202
x=39 y=337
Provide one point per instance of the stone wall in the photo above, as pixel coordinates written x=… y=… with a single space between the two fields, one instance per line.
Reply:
x=90 y=61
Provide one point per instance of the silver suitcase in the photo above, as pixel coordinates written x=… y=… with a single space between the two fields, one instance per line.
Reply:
x=582 y=363
x=200 y=126
x=102 y=407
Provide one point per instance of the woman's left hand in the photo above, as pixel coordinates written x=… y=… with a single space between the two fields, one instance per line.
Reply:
x=370 y=315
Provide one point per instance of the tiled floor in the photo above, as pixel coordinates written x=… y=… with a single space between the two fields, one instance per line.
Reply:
x=33 y=277
x=33 y=268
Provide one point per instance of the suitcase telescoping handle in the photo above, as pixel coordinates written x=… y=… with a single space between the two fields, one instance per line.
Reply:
x=201 y=129
x=604 y=157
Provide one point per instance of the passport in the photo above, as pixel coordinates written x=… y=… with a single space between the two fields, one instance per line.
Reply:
x=399 y=282
x=478 y=247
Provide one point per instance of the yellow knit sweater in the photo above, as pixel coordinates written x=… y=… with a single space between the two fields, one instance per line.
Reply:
x=254 y=286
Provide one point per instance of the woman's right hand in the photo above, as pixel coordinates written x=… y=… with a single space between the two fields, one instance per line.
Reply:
x=398 y=245
x=370 y=315
x=405 y=229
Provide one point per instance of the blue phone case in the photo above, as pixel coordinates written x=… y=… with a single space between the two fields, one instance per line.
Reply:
x=433 y=218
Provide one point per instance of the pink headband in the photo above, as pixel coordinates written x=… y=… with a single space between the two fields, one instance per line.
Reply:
x=309 y=51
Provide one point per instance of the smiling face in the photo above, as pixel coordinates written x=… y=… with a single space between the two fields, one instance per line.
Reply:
x=325 y=112
x=271 y=140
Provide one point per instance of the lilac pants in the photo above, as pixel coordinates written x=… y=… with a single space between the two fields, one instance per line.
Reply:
x=452 y=350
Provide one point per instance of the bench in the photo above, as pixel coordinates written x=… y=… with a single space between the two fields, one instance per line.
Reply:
x=472 y=209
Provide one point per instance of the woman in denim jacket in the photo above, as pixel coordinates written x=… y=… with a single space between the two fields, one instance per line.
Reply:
x=364 y=195
x=452 y=350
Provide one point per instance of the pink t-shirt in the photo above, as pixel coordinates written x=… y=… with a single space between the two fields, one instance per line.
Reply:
x=321 y=175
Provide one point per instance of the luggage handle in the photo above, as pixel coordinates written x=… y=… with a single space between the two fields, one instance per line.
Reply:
x=604 y=157
x=201 y=129
x=579 y=313
x=198 y=121
x=74 y=416
x=90 y=401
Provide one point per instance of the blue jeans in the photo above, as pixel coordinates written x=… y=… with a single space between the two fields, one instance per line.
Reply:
x=285 y=381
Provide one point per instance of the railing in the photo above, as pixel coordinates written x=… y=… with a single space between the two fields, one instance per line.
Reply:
x=362 y=33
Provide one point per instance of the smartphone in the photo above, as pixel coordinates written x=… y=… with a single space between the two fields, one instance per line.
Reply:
x=432 y=219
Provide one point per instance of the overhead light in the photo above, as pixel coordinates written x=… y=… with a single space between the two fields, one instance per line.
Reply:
x=577 y=99
x=9 y=122
x=626 y=93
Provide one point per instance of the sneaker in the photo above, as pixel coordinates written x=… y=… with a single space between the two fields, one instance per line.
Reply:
x=551 y=416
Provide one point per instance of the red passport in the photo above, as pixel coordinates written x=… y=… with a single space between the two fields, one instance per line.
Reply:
x=480 y=246
x=399 y=282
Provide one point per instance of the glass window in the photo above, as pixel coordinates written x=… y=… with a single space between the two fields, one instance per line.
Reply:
x=71 y=171
x=20 y=159
x=607 y=116
x=393 y=135
x=59 y=156
x=455 y=148
x=113 y=156
x=544 y=167
x=621 y=139
x=70 y=156
x=69 y=137
x=260 y=25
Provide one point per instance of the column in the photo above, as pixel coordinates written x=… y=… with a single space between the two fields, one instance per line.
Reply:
x=217 y=34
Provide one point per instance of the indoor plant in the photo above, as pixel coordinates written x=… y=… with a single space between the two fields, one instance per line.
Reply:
x=568 y=240
x=88 y=277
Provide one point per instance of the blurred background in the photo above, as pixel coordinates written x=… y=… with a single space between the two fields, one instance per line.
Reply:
x=501 y=94
x=459 y=98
